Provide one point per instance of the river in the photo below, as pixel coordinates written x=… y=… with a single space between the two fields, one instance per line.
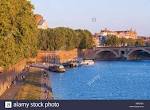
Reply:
x=106 y=80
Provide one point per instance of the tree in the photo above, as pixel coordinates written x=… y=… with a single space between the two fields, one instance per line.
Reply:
x=131 y=42
x=139 y=42
x=112 y=41
x=18 y=31
x=123 y=41
x=86 y=40
x=62 y=38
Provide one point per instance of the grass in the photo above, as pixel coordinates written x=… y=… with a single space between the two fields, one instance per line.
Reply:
x=31 y=88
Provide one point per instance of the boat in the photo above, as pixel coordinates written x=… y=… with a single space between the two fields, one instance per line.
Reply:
x=71 y=64
x=57 y=68
x=87 y=62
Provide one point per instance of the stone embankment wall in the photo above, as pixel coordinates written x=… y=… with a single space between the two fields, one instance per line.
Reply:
x=7 y=76
x=57 y=56
x=86 y=53
x=64 y=56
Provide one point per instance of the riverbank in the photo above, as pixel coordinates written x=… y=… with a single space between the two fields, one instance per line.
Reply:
x=34 y=86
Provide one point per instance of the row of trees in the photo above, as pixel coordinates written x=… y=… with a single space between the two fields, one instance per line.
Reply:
x=20 y=38
x=64 y=39
x=18 y=31
x=113 y=40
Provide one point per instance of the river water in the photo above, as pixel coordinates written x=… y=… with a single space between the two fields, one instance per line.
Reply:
x=106 y=80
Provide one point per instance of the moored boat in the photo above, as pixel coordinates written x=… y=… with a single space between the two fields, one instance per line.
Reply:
x=74 y=64
x=57 y=68
x=71 y=64
x=87 y=62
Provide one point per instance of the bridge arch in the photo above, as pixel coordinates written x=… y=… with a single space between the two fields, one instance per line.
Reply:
x=138 y=49
x=138 y=53
x=106 y=50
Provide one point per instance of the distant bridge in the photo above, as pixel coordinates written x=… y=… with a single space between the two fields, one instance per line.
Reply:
x=118 y=52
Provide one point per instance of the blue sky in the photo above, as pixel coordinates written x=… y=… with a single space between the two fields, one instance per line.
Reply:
x=112 y=14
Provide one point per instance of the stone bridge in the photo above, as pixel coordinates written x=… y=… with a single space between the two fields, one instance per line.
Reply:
x=118 y=52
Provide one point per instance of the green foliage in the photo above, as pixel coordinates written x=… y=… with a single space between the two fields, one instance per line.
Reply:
x=115 y=41
x=62 y=38
x=123 y=41
x=86 y=40
x=131 y=42
x=139 y=42
x=18 y=31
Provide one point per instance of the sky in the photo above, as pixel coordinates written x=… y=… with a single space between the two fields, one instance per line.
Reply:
x=95 y=15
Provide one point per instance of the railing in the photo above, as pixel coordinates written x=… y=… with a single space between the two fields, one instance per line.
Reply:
x=124 y=47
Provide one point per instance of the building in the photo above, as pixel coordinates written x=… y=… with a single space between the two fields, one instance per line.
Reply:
x=145 y=39
x=96 y=41
x=103 y=35
x=101 y=39
x=41 y=22
x=120 y=34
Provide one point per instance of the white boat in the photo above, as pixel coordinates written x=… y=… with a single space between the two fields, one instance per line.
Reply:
x=87 y=62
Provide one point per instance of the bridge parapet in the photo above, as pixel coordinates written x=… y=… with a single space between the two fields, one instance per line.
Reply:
x=121 y=51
